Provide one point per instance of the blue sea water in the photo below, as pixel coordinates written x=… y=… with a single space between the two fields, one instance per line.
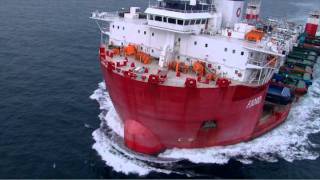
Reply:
x=48 y=70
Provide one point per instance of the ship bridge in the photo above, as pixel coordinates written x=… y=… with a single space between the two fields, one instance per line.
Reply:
x=180 y=16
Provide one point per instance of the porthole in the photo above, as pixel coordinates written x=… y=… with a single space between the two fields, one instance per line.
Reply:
x=233 y=51
x=206 y=45
x=152 y=34
x=242 y=53
x=195 y=43
x=225 y=49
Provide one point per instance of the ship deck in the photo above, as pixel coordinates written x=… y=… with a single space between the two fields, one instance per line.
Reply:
x=171 y=76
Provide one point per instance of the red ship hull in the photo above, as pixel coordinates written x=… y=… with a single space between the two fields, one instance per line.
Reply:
x=158 y=117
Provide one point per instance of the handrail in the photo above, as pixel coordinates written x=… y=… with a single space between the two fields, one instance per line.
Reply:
x=104 y=15
x=180 y=10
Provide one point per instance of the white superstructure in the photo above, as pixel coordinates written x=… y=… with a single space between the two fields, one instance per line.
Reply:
x=214 y=32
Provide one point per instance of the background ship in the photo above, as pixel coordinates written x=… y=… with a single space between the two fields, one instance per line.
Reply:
x=192 y=74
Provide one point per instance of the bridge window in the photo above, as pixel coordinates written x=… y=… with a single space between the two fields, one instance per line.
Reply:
x=151 y=17
x=203 y=21
x=172 y=21
x=158 y=18
x=186 y=22
x=165 y=19
x=198 y=21
x=193 y=22
x=180 y=22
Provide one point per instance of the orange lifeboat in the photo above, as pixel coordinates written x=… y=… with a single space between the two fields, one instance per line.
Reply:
x=143 y=57
x=179 y=67
x=254 y=35
x=130 y=50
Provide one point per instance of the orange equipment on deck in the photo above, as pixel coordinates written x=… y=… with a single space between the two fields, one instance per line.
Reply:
x=143 y=57
x=211 y=77
x=179 y=67
x=254 y=35
x=130 y=50
x=116 y=51
x=199 y=68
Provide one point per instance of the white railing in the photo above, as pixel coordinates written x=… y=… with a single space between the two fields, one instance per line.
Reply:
x=107 y=16
x=181 y=10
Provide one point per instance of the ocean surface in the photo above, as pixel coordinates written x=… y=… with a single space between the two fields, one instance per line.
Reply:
x=53 y=109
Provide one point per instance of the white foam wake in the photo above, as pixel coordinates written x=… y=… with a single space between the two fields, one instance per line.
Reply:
x=105 y=143
x=290 y=141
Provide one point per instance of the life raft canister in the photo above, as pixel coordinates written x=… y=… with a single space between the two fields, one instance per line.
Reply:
x=191 y=83
x=223 y=82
